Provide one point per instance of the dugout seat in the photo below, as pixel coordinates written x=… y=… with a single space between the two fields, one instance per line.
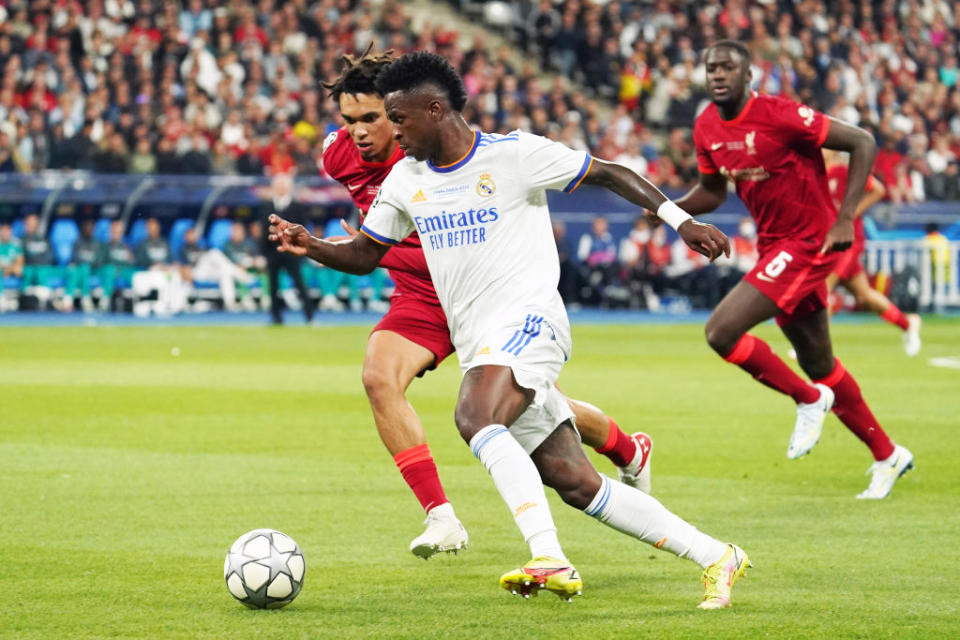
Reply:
x=219 y=234
x=137 y=233
x=177 y=232
x=101 y=230
x=63 y=235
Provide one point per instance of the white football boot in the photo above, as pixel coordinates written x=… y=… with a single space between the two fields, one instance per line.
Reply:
x=886 y=472
x=444 y=534
x=911 y=337
x=637 y=472
x=810 y=418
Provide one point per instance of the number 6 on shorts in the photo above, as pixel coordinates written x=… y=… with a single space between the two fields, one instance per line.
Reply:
x=776 y=266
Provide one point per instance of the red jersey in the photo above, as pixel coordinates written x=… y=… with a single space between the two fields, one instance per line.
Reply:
x=771 y=151
x=837 y=183
x=405 y=261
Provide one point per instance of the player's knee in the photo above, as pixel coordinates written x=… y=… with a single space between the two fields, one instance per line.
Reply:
x=720 y=338
x=378 y=383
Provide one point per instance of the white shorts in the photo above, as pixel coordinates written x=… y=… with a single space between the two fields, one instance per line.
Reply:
x=532 y=351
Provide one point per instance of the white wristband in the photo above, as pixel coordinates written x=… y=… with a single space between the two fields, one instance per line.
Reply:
x=673 y=215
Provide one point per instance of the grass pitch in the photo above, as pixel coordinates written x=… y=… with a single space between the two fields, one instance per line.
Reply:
x=127 y=471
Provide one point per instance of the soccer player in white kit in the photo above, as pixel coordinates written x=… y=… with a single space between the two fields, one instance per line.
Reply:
x=479 y=205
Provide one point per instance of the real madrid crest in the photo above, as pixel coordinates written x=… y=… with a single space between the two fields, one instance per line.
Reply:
x=485 y=185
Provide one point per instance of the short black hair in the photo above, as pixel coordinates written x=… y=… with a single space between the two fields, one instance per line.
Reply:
x=359 y=73
x=416 y=69
x=736 y=45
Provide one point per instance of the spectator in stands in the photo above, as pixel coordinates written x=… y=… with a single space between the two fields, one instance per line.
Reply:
x=597 y=255
x=166 y=158
x=638 y=272
x=222 y=162
x=697 y=278
x=568 y=286
x=658 y=256
x=118 y=267
x=11 y=266
x=157 y=275
x=112 y=157
x=10 y=158
x=199 y=264
x=245 y=252
x=81 y=149
x=39 y=269
x=744 y=245
x=88 y=258
x=543 y=27
x=142 y=159
x=196 y=160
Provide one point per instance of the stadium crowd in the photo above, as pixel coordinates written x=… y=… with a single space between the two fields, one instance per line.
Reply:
x=204 y=87
x=201 y=86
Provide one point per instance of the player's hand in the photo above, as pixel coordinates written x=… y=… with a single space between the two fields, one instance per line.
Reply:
x=839 y=238
x=705 y=239
x=346 y=227
x=290 y=238
x=652 y=219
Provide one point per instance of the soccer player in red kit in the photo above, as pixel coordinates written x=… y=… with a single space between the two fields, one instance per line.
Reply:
x=849 y=270
x=770 y=148
x=413 y=337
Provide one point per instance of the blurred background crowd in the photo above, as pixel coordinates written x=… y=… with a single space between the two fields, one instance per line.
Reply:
x=203 y=86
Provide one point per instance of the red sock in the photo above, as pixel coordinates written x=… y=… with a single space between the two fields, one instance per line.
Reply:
x=893 y=315
x=853 y=411
x=619 y=447
x=418 y=469
x=755 y=356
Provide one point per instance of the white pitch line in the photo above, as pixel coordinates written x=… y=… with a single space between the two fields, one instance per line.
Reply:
x=946 y=363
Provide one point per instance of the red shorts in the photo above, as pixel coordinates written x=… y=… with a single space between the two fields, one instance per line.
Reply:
x=421 y=321
x=849 y=264
x=793 y=274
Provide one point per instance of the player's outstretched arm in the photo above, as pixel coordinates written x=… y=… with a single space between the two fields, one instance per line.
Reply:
x=709 y=193
x=862 y=148
x=705 y=239
x=873 y=195
x=359 y=254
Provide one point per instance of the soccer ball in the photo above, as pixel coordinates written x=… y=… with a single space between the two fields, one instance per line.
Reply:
x=264 y=569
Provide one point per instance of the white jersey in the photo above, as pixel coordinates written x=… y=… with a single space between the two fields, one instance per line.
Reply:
x=486 y=233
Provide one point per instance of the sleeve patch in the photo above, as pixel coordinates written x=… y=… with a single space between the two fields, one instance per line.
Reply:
x=329 y=140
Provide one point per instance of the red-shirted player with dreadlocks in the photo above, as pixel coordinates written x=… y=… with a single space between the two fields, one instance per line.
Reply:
x=770 y=148
x=413 y=337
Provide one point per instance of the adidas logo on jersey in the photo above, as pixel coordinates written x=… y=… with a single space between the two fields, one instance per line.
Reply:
x=418 y=196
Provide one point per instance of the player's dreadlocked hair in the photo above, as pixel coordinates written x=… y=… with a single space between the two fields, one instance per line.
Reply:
x=359 y=73
x=413 y=70
x=736 y=45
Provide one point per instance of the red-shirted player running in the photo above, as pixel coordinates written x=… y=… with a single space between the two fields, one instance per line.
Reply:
x=849 y=271
x=413 y=336
x=770 y=148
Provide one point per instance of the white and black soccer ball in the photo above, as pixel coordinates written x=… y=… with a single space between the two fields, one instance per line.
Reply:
x=264 y=569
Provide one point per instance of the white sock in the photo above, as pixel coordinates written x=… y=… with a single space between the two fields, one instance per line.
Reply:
x=637 y=514
x=520 y=486
x=443 y=511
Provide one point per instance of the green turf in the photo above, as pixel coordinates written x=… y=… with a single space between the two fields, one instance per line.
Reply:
x=126 y=472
